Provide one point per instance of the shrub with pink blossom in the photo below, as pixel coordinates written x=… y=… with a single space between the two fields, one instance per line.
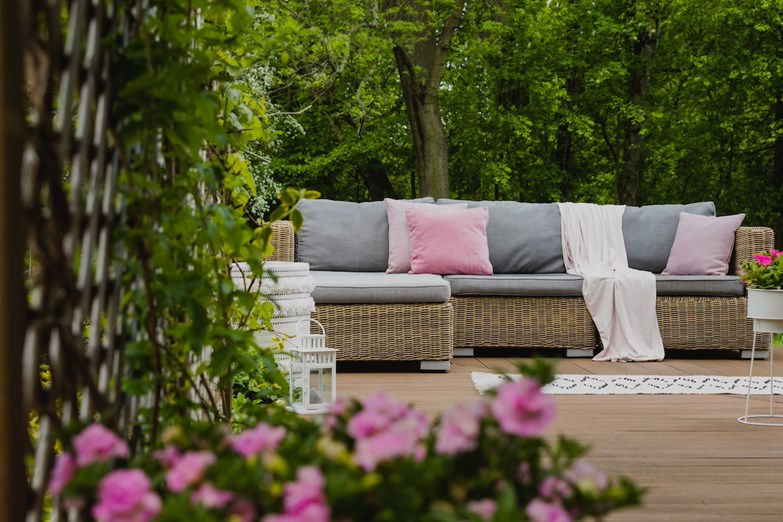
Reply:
x=764 y=271
x=368 y=460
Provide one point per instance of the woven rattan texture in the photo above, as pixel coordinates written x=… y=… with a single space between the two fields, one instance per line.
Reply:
x=388 y=332
x=750 y=240
x=524 y=322
x=707 y=323
x=283 y=241
x=385 y=332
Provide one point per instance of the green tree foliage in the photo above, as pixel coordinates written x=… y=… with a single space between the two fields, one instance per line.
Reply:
x=368 y=86
x=718 y=123
x=630 y=101
x=352 y=140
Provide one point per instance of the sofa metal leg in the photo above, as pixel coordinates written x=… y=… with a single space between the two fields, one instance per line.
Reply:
x=463 y=352
x=762 y=355
x=435 y=366
x=578 y=352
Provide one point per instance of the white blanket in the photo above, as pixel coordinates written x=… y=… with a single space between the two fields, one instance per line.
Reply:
x=620 y=300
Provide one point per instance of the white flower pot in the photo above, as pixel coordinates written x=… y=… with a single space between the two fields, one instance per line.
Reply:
x=766 y=308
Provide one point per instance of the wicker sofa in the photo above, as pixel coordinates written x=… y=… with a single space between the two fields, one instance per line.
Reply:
x=529 y=302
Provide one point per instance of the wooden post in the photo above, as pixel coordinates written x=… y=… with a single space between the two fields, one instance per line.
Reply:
x=12 y=300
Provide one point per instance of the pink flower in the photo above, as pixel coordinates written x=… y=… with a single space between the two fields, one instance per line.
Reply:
x=210 y=497
x=554 y=487
x=401 y=438
x=582 y=473
x=541 y=511
x=304 y=499
x=336 y=410
x=379 y=448
x=307 y=490
x=775 y=253
x=189 y=470
x=338 y=407
x=523 y=472
x=98 y=444
x=459 y=428
x=261 y=438
x=62 y=473
x=521 y=409
x=485 y=508
x=386 y=429
x=762 y=259
x=242 y=510
x=383 y=404
x=378 y=412
x=367 y=423
x=168 y=456
x=126 y=496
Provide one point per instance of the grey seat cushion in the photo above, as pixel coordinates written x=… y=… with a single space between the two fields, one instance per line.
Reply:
x=648 y=232
x=531 y=285
x=523 y=238
x=376 y=288
x=567 y=285
x=698 y=285
x=342 y=235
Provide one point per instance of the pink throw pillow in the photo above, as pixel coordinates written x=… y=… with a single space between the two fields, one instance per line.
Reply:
x=702 y=245
x=453 y=241
x=399 y=238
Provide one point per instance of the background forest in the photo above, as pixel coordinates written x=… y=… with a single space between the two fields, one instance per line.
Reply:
x=606 y=101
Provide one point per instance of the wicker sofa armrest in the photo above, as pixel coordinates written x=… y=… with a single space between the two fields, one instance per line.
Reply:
x=283 y=241
x=748 y=241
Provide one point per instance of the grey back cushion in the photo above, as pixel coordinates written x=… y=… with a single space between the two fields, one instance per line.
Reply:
x=344 y=236
x=523 y=238
x=649 y=232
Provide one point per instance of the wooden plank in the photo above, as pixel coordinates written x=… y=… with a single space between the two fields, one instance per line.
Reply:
x=698 y=462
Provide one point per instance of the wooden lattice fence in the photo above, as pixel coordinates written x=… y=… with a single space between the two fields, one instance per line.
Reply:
x=72 y=357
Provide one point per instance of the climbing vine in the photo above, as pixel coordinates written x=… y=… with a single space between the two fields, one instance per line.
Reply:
x=190 y=125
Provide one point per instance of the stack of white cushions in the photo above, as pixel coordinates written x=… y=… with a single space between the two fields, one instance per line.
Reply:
x=288 y=287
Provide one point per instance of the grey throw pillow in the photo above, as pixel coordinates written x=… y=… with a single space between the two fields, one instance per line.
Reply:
x=344 y=236
x=649 y=232
x=523 y=238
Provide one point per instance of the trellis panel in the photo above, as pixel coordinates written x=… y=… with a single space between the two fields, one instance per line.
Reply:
x=69 y=198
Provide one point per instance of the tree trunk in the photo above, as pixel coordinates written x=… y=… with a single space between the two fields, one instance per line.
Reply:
x=429 y=135
x=629 y=178
x=565 y=137
x=421 y=73
x=377 y=181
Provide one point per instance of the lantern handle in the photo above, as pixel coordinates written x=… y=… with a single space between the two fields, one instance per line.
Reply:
x=323 y=331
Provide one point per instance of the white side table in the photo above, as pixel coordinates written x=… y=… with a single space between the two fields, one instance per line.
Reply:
x=762 y=325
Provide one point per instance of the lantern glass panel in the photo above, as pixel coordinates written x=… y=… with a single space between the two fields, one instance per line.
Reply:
x=296 y=383
x=321 y=386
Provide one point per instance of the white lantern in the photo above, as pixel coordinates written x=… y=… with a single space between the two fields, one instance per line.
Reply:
x=313 y=373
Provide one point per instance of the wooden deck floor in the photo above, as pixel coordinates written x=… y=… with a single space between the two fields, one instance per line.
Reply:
x=697 y=461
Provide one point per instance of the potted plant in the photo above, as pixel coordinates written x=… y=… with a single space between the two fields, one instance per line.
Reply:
x=764 y=277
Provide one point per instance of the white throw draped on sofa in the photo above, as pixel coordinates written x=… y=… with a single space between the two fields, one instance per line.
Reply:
x=620 y=300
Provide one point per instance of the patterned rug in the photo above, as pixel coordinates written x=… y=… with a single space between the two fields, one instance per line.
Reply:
x=565 y=384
